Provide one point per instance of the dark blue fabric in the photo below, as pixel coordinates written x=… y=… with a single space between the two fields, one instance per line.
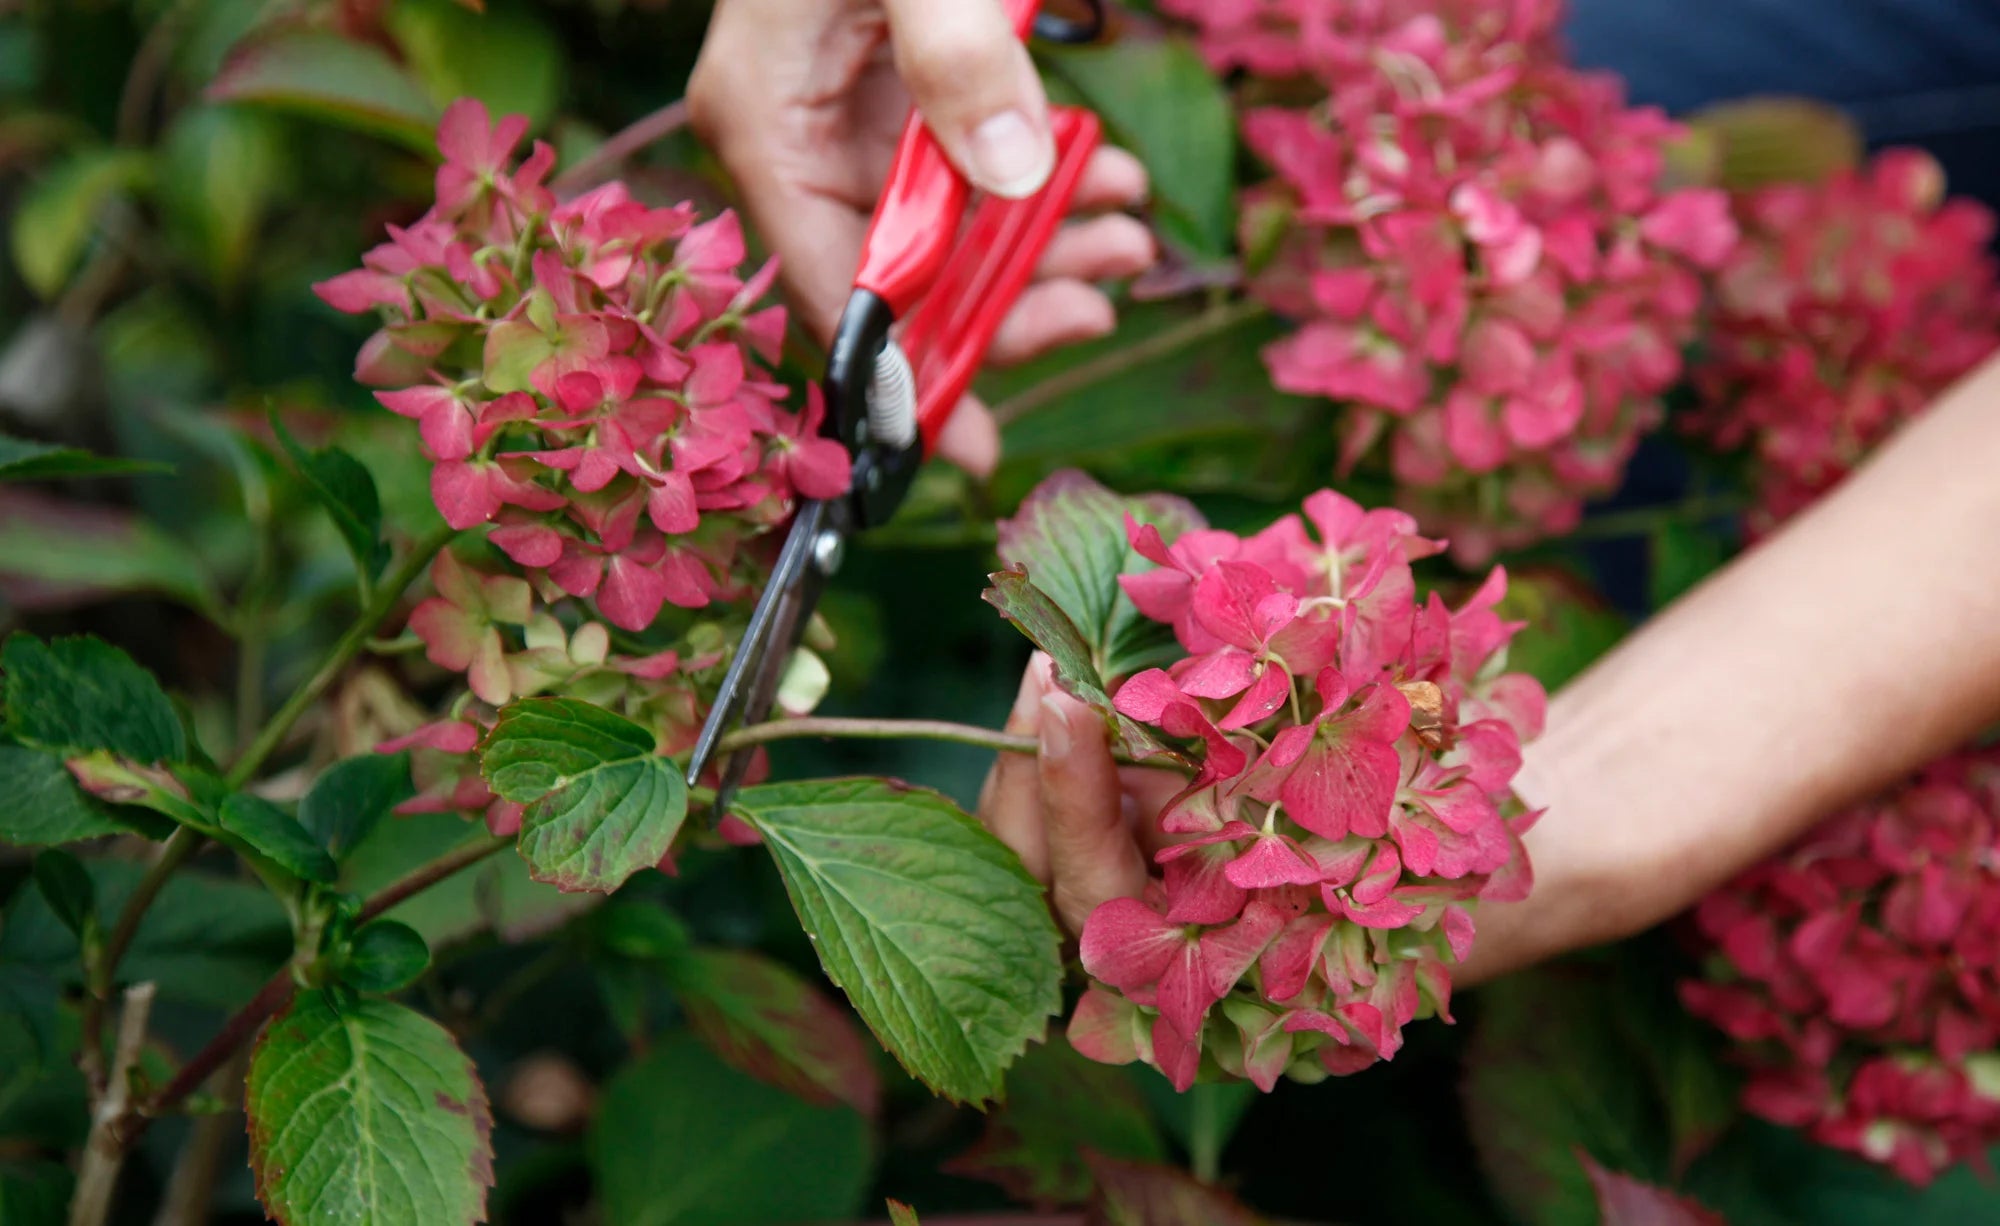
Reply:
x=1923 y=72
x=1918 y=72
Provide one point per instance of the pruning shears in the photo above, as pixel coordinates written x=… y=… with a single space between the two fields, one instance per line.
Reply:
x=938 y=273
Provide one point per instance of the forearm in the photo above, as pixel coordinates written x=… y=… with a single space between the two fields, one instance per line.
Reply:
x=1857 y=644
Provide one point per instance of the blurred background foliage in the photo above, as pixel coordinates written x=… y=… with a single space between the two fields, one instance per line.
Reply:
x=175 y=174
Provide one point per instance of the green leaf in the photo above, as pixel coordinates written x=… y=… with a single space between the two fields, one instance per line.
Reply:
x=367 y=1112
x=1047 y=627
x=682 y=1139
x=1060 y=1105
x=221 y=168
x=68 y=889
x=1069 y=535
x=277 y=836
x=937 y=934
x=54 y=221
x=1764 y=1175
x=1160 y=100
x=75 y=695
x=506 y=59
x=385 y=956
x=347 y=492
x=333 y=80
x=1683 y=555
x=352 y=796
x=35 y=1193
x=762 y=1018
x=24 y=460
x=602 y=803
x=1547 y=1074
x=44 y=806
x=57 y=554
x=901 y=1214
x=641 y=931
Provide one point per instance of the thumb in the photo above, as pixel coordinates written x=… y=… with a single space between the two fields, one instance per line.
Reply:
x=977 y=90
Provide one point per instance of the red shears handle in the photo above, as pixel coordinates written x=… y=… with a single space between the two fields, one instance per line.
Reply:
x=950 y=280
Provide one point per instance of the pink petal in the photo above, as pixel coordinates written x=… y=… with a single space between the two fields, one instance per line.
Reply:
x=1105 y=1027
x=1271 y=861
x=671 y=505
x=1128 y=945
x=464 y=493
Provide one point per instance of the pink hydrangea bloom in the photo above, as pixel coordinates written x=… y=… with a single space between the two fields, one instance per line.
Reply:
x=1850 y=305
x=1473 y=242
x=1352 y=752
x=590 y=382
x=586 y=376
x=1858 y=974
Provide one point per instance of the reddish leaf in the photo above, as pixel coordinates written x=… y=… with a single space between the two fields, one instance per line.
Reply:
x=1140 y=1194
x=762 y=1018
x=1060 y=1109
x=1626 y=1201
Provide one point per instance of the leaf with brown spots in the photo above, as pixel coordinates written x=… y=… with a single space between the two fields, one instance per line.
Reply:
x=366 y=1111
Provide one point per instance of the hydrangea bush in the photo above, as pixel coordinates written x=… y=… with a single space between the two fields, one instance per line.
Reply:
x=1474 y=240
x=366 y=859
x=1848 y=307
x=1858 y=973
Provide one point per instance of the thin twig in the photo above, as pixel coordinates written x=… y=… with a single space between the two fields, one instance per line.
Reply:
x=104 y=1152
x=142 y=80
x=180 y=845
x=238 y=1030
x=598 y=164
x=337 y=658
x=1218 y=318
x=425 y=876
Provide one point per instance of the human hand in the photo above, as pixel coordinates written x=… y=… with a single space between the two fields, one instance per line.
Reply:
x=804 y=101
x=1085 y=826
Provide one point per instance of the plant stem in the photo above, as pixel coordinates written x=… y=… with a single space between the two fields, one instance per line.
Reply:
x=837 y=727
x=104 y=1152
x=425 y=876
x=1638 y=521
x=337 y=658
x=278 y=989
x=191 y=1188
x=180 y=845
x=830 y=726
x=1218 y=318
x=622 y=144
x=1206 y=1133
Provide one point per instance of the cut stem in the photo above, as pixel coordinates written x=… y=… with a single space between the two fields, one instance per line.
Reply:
x=104 y=1151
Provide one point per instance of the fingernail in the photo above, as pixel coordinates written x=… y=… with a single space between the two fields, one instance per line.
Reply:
x=1009 y=157
x=1055 y=728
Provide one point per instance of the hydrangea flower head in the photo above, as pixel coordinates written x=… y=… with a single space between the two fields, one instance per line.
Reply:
x=1472 y=239
x=589 y=380
x=1351 y=749
x=1850 y=305
x=1858 y=974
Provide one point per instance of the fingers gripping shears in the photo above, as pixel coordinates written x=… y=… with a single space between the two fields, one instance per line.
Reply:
x=947 y=279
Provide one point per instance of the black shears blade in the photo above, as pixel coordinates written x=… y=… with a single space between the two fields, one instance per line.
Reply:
x=777 y=626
